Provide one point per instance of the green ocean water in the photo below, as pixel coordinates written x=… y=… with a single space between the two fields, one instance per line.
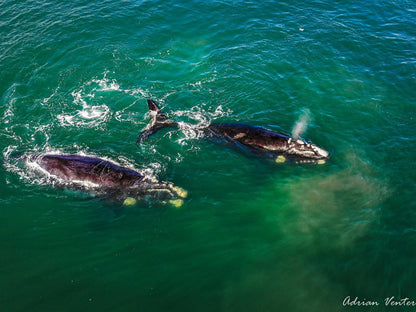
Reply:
x=252 y=235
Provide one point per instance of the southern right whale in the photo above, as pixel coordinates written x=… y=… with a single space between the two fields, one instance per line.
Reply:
x=258 y=140
x=105 y=177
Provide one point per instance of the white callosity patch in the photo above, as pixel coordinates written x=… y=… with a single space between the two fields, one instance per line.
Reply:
x=239 y=135
x=304 y=149
x=320 y=151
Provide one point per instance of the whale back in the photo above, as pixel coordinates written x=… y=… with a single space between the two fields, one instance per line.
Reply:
x=268 y=142
x=89 y=169
x=106 y=178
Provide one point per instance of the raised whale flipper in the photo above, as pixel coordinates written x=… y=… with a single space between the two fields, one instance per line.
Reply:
x=158 y=120
x=154 y=108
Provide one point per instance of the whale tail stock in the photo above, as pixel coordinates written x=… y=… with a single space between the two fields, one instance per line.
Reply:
x=158 y=121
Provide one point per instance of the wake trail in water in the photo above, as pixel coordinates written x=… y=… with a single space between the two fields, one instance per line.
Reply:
x=203 y=118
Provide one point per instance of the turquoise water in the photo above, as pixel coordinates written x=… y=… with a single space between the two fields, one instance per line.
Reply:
x=253 y=235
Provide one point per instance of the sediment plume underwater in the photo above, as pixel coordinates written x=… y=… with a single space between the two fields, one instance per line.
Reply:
x=251 y=234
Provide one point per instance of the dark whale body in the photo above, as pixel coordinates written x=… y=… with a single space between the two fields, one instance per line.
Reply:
x=91 y=169
x=258 y=140
x=105 y=176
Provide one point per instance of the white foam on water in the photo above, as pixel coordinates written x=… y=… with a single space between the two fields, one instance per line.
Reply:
x=10 y=99
x=6 y=157
x=25 y=168
x=151 y=170
x=203 y=118
x=89 y=115
x=190 y=131
x=46 y=100
x=179 y=158
x=8 y=115
x=139 y=91
x=201 y=83
x=106 y=84
x=87 y=108
x=124 y=115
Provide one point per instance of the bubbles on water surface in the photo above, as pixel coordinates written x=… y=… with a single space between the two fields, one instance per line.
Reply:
x=26 y=168
x=92 y=103
x=87 y=116
x=106 y=84
x=204 y=118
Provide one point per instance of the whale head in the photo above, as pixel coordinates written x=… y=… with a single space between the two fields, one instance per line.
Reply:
x=303 y=152
x=158 y=189
x=166 y=192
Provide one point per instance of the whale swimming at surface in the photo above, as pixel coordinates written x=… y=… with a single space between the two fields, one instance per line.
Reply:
x=255 y=139
x=108 y=178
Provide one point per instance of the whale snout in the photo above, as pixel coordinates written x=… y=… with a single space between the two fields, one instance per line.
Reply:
x=320 y=152
x=303 y=153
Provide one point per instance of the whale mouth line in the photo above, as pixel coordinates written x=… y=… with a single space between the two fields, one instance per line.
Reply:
x=299 y=159
x=310 y=161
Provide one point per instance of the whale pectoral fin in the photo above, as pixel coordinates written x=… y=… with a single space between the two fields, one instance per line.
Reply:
x=158 y=121
x=153 y=106
x=145 y=134
x=160 y=116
